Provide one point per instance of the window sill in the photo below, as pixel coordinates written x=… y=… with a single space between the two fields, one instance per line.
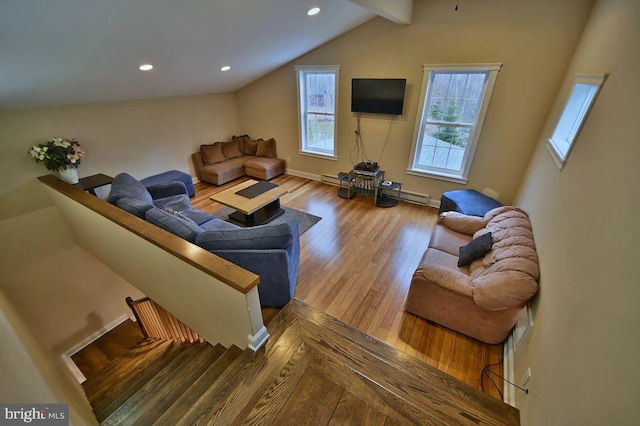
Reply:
x=440 y=176
x=318 y=155
x=555 y=155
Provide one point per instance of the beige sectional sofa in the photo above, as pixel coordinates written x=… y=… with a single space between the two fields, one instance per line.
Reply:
x=483 y=299
x=222 y=162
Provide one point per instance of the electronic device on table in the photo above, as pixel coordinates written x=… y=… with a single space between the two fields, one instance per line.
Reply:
x=366 y=168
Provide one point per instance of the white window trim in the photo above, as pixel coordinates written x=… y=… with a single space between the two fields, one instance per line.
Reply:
x=301 y=135
x=493 y=69
x=591 y=79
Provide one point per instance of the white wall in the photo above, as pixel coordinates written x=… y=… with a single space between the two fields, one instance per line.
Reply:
x=584 y=347
x=31 y=374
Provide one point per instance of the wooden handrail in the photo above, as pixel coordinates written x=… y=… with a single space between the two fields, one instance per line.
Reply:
x=234 y=276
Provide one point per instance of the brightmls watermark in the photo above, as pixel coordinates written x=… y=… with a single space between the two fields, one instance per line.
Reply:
x=35 y=414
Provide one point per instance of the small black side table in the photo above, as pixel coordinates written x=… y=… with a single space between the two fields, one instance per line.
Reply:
x=89 y=183
x=391 y=198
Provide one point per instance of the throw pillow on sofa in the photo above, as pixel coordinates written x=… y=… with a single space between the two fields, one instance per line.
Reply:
x=266 y=148
x=125 y=185
x=212 y=154
x=475 y=249
x=231 y=149
x=249 y=146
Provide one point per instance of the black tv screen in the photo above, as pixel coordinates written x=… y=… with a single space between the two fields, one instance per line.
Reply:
x=378 y=95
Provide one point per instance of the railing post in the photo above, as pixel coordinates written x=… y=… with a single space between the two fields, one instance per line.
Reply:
x=131 y=305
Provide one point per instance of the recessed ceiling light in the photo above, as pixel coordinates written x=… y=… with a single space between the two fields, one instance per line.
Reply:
x=313 y=11
x=225 y=68
x=145 y=67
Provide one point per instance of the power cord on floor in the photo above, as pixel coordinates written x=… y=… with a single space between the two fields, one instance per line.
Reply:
x=486 y=370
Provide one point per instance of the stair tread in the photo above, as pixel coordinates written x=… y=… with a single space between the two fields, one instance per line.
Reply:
x=122 y=365
x=160 y=391
x=213 y=397
x=177 y=410
x=110 y=397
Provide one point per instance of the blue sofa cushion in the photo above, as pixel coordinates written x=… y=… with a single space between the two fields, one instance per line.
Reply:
x=218 y=225
x=198 y=216
x=182 y=228
x=174 y=202
x=172 y=176
x=262 y=237
x=125 y=185
x=134 y=206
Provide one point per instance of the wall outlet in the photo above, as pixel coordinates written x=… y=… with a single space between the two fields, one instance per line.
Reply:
x=288 y=158
x=527 y=377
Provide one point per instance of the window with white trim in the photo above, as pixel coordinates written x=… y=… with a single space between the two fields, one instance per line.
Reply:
x=318 y=109
x=583 y=93
x=453 y=103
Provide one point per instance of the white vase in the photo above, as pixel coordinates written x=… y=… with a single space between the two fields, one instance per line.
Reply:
x=69 y=175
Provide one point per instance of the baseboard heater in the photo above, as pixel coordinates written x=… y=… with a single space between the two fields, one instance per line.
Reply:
x=407 y=196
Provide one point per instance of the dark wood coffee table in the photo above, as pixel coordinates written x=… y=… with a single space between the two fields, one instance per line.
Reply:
x=251 y=211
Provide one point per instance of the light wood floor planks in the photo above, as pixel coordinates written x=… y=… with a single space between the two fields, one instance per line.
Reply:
x=356 y=265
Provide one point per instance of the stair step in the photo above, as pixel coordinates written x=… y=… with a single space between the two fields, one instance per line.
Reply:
x=176 y=412
x=109 y=398
x=152 y=399
x=213 y=397
x=249 y=380
x=122 y=365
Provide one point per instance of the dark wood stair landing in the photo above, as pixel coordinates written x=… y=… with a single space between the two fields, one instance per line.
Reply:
x=313 y=370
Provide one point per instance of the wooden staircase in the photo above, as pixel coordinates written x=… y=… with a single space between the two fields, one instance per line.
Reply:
x=314 y=370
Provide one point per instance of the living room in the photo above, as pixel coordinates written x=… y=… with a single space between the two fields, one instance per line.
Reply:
x=541 y=45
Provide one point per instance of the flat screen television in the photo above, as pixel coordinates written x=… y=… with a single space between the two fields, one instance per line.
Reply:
x=378 y=95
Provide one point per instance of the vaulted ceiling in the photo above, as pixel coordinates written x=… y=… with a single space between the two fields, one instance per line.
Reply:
x=78 y=51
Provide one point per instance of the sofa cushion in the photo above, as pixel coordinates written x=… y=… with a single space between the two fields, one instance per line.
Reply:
x=212 y=154
x=125 y=185
x=262 y=237
x=179 y=215
x=218 y=225
x=240 y=139
x=503 y=290
x=448 y=240
x=461 y=222
x=230 y=149
x=266 y=148
x=475 y=249
x=187 y=230
x=441 y=268
x=134 y=206
x=175 y=202
x=250 y=146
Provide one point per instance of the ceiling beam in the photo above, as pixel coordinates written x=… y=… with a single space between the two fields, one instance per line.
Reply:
x=398 y=11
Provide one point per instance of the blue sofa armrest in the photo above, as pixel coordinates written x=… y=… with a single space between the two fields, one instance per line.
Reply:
x=164 y=190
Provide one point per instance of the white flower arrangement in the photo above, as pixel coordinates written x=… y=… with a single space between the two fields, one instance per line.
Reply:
x=58 y=153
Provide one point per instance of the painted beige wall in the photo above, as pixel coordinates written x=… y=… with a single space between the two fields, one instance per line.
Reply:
x=584 y=346
x=32 y=373
x=140 y=137
x=62 y=292
x=534 y=41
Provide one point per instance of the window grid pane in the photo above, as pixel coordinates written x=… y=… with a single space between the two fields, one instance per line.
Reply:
x=455 y=97
x=318 y=115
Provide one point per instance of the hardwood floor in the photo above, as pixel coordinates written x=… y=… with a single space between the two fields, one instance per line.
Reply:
x=356 y=265
x=100 y=353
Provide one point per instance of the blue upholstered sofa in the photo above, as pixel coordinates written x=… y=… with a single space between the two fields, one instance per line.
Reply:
x=270 y=251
